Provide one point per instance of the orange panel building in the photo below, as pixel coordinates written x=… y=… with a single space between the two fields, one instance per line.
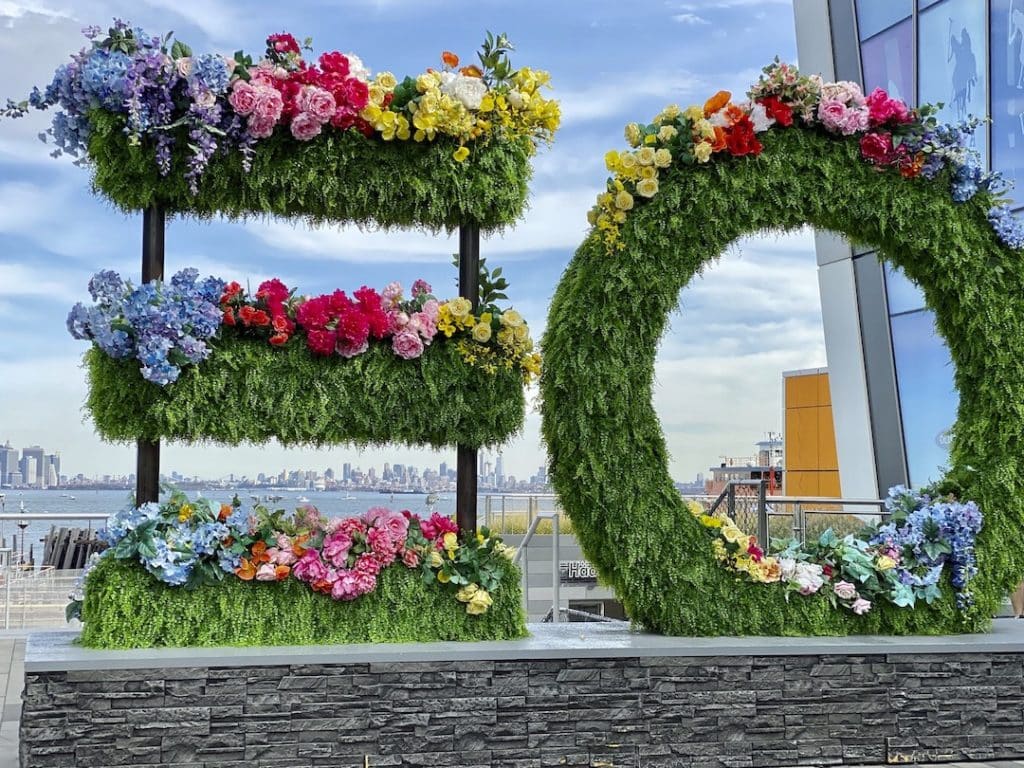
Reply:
x=811 y=463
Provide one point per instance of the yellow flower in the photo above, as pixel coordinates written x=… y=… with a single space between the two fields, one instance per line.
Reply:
x=460 y=307
x=667 y=132
x=435 y=559
x=460 y=154
x=479 y=603
x=633 y=134
x=521 y=333
x=645 y=156
x=611 y=160
x=704 y=129
x=702 y=151
x=710 y=522
x=662 y=158
x=648 y=172
x=465 y=594
x=450 y=541
x=624 y=201
x=505 y=550
x=531 y=364
x=718 y=550
x=732 y=534
x=647 y=187
x=885 y=563
x=482 y=332
x=650 y=139
x=627 y=161
x=185 y=513
x=512 y=319
x=619 y=217
x=443 y=577
x=386 y=80
x=671 y=112
x=694 y=113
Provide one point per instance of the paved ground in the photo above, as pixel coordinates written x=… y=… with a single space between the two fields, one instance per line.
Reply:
x=12 y=674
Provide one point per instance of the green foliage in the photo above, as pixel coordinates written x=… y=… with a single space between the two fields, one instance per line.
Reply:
x=125 y=607
x=248 y=391
x=607 y=451
x=340 y=177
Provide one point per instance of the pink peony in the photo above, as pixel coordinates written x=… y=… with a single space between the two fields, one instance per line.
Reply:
x=877 y=147
x=367 y=563
x=242 y=98
x=336 y=548
x=267 y=572
x=321 y=342
x=437 y=526
x=310 y=567
x=345 y=586
x=365 y=582
x=422 y=324
x=411 y=558
x=883 y=109
x=280 y=556
x=317 y=102
x=382 y=543
x=348 y=348
x=395 y=522
x=269 y=104
x=392 y=294
x=860 y=606
x=408 y=345
x=352 y=526
x=306 y=126
x=844 y=590
x=397 y=321
x=259 y=127
x=839 y=118
x=431 y=308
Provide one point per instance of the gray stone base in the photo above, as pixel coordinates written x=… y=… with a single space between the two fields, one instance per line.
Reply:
x=600 y=697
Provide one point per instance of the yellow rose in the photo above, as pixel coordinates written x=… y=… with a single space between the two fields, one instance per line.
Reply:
x=702 y=151
x=482 y=332
x=505 y=550
x=479 y=603
x=710 y=522
x=512 y=319
x=185 y=513
x=627 y=161
x=435 y=559
x=521 y=333
x=465 y=594
x=667 y=132
x=662 y=158
x=624 y=201
x=633 y=134
x=619 y=217
x=460 y=154
x=671 y=112
x=386 y=80
x=647 y=187
x=611 y=160
x=506 y=336
x=705 y=129
x=885 y=563
x=460 y=307
x=645 y=156
x=650 y=139
x=694 y=113
x=732 y=534
x=648 y=172
x=450 y=541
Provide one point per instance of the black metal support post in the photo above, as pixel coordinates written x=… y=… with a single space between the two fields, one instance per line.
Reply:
x=147 y=467
x=469 y=287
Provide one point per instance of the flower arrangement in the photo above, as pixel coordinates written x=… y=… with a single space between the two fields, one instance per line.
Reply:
x=162 y=325
x=890 y=135
x=165 y=96
x=168 y=326
x=900 y=561
x=192 y=543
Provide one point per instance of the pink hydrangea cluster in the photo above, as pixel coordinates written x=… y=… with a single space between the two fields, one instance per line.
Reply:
x=843 y=108
x=354 y=551
x=334 y=323
x=412 y=325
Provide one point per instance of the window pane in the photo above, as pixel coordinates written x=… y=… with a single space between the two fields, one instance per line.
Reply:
x=952 y=61
x=928 y=398
x=1008 y=92
x=875 y=15
x=888 y=62
x=903 y=294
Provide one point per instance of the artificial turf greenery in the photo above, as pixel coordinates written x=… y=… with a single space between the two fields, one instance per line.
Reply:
x=608 y=457
x=249 y=391
x=125 y=607
x=343 y=176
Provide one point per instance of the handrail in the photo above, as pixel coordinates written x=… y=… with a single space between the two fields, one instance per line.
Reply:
x=729 y=492
x=15 y=517
x=556 y=578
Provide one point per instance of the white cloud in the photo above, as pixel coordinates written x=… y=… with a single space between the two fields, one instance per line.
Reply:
x=34 y=281
x=615 y=96
x=691 y=19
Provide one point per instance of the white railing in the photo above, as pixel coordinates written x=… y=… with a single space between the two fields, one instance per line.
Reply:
x=556 y=575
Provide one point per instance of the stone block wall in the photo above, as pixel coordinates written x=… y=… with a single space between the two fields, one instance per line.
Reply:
x=655 y=712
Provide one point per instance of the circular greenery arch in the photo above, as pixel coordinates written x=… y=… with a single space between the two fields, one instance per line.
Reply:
x=609 y=463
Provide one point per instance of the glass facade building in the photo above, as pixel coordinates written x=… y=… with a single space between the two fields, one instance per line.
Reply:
x=968 y=55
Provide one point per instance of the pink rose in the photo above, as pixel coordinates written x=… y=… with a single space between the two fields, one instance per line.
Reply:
x=844 y=590
x=860 y=606
x=382 y=544
x=267 y=572
x=391 y=294
x=269 y=104
x=431 y=308
x=410 y=558
x=395 y=522
x=184 y=66
x=317 y=102
x=855 y=121
x=281 y=556
x=306 y=126
x=242 y=97
x=365 y=582
x=260 y=127
x=882 y=108
x=421 y=322
x=367 y=563
x=283 y=541
x=407 y=345
x=397 y=321
x=350 y=348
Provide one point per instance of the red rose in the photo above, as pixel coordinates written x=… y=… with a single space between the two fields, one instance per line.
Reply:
x=777 y=111
x=231 y=290
x=282 y=324
x=741 y=140
x=334 y=62
x=260 y=318
x=877 y=147
x=229 y=317
x=283 y=43
x=245 y=314
x=278 y=339
x=827 y=571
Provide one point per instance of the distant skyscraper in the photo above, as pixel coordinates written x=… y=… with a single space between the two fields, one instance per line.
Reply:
x=38 y=454
x=346 y=472
x=499 y=470
x=28 y=466
x=53 y=460
x=8 y=462
x=443 y=471
x=329 y=474
x=387 y=475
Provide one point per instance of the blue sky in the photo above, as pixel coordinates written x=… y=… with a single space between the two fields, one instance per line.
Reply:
x=753 y=315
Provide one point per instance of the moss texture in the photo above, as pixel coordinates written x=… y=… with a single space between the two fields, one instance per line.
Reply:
x=248 y=391
x=339 y=177
x=608 y=455
x=125 y=607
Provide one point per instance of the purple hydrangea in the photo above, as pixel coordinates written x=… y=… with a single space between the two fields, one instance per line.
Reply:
x=1007 y=226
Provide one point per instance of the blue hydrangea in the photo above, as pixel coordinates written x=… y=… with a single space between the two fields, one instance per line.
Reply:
x=210 y=73
x=129 y=519
x=104 y=77
x=1007 y=226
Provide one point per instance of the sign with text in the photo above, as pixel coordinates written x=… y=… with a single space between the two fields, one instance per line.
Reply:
x=577 y=572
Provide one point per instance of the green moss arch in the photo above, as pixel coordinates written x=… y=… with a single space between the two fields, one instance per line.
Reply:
x=609 y=463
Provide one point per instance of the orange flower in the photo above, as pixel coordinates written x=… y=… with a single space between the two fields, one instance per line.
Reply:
x=721 y=140
x=281 y=572
x=716 y=102
x=225 y=512
x=734 y=114
x=472 y=71
x=450 y=59
x=246 y=571
x=259 y=553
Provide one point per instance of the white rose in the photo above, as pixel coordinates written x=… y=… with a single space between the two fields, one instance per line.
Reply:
x=515 y=98
x=469 y=90
x=719 y=119
x=787 y=567
x=356 y=68
x=759 y=117
x=184 y=65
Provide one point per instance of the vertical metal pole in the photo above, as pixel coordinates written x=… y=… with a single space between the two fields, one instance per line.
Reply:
x=469 y=287
x=147 y=466
x=762 y=516
x=556 y=579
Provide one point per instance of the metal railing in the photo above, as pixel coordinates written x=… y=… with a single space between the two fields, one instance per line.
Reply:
x=513 y=513
x=556 y=577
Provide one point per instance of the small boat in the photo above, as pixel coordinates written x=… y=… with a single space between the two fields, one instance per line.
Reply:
x=303 y=500
x=348 y=497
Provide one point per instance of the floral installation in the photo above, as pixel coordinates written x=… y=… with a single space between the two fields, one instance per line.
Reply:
x=217 y=104
x=900 y=561
x=167 y=326
x=191 y=543
x=890 y=135
x=164 y=325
